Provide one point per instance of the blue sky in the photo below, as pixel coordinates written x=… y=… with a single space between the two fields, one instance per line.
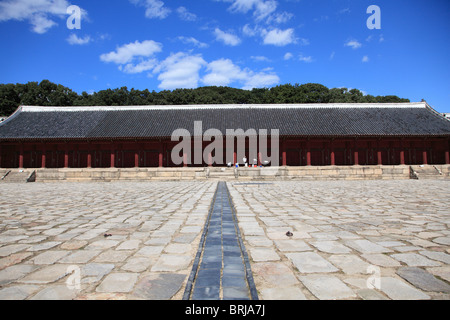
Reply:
x=169 y=44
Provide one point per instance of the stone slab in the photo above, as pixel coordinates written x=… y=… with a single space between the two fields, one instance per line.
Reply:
x=423 y=280
x=396 y=289
x=310 y=262
x=327 y=287
x=118 y=283
x=159 y=286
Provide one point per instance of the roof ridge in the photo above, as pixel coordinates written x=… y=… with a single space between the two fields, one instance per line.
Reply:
x=225 y=106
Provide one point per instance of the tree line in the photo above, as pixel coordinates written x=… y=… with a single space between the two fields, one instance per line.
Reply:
x=47 y=93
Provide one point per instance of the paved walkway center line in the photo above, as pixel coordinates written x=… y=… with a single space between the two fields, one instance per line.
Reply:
x=221 y=269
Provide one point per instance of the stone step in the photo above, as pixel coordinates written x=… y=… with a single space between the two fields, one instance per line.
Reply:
x=17 y=176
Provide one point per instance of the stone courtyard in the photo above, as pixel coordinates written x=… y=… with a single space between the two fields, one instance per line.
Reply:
x=139 y=240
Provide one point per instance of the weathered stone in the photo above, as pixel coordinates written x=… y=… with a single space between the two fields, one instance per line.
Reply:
x=310 y=262
x=60 y=292
x=118 y=282
x=275 y=274
x=327 y=287
x=440 y=256
x=415 y=260
x=171 y=263
x=13 y=259
x=20 y=292
x=366 y=246
x=94 y=272
x=82 y=256
x=159 y=286
x=330 y=247
x=129 y=245
x=16 y=272
x=423 y=280
x=74 y=245
x=178 y=248
x=102 y=244
x=13 y=248
x=350 y=264
x=263 y=254
x=150 y=251
x=47 y=274
x=370 y=294
x=292 y=245
x=138 y=264
x=398 y=290
x=381 y=260
x=442 y=240
x=112 y=256
x=284 y=293
x=49 y=257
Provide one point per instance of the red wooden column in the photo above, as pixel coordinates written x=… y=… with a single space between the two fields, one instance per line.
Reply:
x=379 y=156
x=332 y=154
x=161 y=155
x=210 y=164
x=447 y=154
x=425 y=157
x=283 y=154
x=113 y=156
x=44 y=156
x=21 y=156
x=185 y=160
x=355 y=154
x=136 y=158
x=66 y=156
x=259 y=159
x=402 y=153
x=89 y=156
x=308 y=153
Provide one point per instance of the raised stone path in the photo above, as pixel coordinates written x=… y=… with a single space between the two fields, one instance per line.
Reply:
x=140 y=240
x=222 y=269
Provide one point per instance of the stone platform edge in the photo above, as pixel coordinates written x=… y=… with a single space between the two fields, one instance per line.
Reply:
x=310 y=173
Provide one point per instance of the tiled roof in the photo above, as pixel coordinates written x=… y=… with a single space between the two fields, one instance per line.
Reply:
x=316 y=120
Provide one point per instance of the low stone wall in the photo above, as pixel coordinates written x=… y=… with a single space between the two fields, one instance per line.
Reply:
x=239 y=174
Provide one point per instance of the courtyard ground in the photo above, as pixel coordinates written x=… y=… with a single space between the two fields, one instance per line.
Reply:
x=140 y=240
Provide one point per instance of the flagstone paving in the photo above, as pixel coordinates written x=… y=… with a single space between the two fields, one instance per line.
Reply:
x=350 y=240
x=129 y=240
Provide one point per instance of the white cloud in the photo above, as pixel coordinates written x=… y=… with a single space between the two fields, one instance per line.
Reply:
x=250 y=32
x=279 y=37
x=40 y=14
x=260 y=58
x=143 y=66
x=185 y=15
x=365 y=59
x=73 y=39
x=180 y=70
x=288 y=56
x=153 y=8
x=128 y=52
x=223 y=72
x=307 y=59
x=192 y=41
x=227 y=38
x=261 y=8
x=354 y=44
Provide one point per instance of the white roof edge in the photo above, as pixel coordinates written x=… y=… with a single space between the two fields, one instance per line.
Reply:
x=226 y=106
